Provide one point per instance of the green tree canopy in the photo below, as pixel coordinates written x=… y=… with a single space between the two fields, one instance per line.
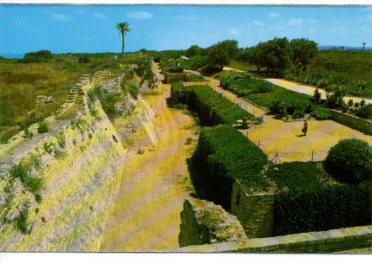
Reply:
x=222 y=52
x=193 y=51
x=303 y=50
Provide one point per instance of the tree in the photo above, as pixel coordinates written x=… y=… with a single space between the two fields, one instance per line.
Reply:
x=221 y=53
x=274 y=54
x=303 y=50
x=193 y=51
x=123 y=28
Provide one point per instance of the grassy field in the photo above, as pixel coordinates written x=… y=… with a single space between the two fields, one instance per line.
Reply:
x=21 y=83
x=348 y=69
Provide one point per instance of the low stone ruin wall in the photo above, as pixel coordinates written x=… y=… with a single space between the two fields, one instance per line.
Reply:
x=351 y=239
x=254 y=211
x=203 y=222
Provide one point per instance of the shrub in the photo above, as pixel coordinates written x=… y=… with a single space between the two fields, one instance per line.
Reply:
x=182 y=77
x=61 y=139
x=350 y=161
x=322 y=113
x=133 y=89
x=175 y=69
x=33 y=184
x=84 y=59
x=211 y=107
x=210 y=69
x=364 y=111
x=42 y=127
x=38 y=56
x=223 y=155
x=27 y=133
x=22 y=219
x=48 y=147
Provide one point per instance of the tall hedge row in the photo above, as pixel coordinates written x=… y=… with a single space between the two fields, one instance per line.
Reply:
x=212 y=108
x=309 y=200
x=326 y=208
x=222 y=155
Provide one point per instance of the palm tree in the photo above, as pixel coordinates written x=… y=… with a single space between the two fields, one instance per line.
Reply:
x=123 y=28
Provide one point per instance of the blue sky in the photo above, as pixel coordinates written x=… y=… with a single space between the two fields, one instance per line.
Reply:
x=90 y=28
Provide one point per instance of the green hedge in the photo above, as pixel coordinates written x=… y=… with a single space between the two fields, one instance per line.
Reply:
x=182 y=77
x=362 y=125
x=278 y=100
x=326 y=208
x=309 y=200
x=223 y=155
x=211 y=107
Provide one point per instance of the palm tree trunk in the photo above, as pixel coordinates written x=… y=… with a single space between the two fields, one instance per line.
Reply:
x=122 y=45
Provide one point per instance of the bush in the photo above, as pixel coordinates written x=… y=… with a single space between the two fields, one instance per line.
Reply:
x=42 y=127
x=84 y=59
x=22 y=219
x=33 y=184
x=350 y=161
x=364 y=111
x=223 y=155
x=27 y=133
x=322 y=113
x=182 y=77
x=38 y=56
x=175 y=69
x=212 y=107
x=210 y=69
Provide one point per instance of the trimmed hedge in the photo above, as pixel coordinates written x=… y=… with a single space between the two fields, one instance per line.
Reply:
x=211 y=106
x=182 y=77
x=223 y=155
x=327 y=208
x=278 y=100
x=362 y=125
x=309 y=201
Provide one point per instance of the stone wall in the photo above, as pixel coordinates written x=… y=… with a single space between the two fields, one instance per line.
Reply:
x=351 y=239
x=203 y=222
x=254 y=211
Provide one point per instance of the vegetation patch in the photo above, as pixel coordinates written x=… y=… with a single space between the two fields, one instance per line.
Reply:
x=182 y=77
x=222 y=156
x=349 y=69
x=211 y=106
x=350 y=161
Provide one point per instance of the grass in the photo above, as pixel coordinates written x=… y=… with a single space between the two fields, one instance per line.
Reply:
x=350 y=69
x=21 y=82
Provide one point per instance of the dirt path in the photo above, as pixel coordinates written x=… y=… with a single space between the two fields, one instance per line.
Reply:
x=275 y=136
x=146 y=216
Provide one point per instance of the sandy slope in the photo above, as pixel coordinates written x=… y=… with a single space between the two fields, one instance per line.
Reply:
x=146 y=216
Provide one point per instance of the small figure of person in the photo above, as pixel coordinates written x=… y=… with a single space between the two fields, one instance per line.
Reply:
x=304 y=128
